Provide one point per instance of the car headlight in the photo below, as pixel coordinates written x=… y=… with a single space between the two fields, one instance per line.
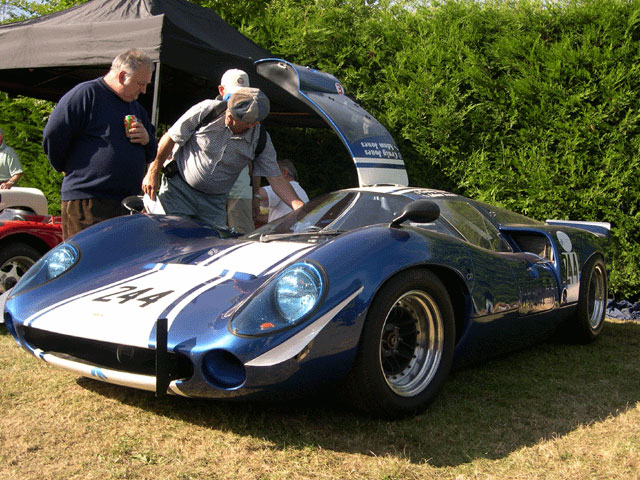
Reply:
x=284 y=302
x=53 y=264
x=297 y=291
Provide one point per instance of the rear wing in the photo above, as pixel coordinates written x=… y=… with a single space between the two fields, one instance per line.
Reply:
x=599 y=228
x=372 y=148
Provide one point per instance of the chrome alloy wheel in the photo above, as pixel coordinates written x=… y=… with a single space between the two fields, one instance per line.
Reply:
x=597 y=296
x=12 y=270
x=411 y=343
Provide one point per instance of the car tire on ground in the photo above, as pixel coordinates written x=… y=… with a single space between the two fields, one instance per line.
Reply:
x=15 y=260
x=406 y=347
x=588 y=320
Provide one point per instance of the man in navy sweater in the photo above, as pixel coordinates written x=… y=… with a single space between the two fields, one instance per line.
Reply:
x=85 y=139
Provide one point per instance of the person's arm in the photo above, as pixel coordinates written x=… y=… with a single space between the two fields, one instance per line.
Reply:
x=262 y=197
x=11 y=182
x=151 y=181
x=261 y=200
x=285 y=191
x=66 y=121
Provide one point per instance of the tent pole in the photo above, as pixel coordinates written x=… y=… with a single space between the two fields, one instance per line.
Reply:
x=155 y=107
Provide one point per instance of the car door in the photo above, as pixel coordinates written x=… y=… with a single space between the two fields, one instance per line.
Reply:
x=504 y=281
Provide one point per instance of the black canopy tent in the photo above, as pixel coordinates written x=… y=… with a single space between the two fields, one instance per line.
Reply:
x=191 y=46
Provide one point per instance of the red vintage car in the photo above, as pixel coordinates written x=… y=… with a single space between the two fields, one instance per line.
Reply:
x=24 y=237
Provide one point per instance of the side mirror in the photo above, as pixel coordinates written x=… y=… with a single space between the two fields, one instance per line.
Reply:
x=420 y=211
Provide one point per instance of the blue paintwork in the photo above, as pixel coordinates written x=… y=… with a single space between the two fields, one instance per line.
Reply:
x=500 y=296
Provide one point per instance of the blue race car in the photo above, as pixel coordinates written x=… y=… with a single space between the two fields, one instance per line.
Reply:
x=378 y=290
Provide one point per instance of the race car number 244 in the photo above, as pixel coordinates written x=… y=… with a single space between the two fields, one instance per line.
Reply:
x=128 y=293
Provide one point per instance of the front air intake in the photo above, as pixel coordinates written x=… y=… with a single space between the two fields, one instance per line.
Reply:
x=114 y=356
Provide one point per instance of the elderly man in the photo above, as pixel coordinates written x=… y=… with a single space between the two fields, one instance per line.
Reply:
x=268 y=199
x=215 y=141
x=85 y=139
x=10 y=168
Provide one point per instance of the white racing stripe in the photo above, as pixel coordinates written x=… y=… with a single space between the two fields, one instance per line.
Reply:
x=255 y=257
x=126 y=311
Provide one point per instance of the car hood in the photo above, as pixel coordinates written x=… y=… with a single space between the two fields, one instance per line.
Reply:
x=124 y=309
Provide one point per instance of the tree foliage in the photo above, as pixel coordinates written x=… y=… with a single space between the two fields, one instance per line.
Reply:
x=530 y=104
x=22 y=120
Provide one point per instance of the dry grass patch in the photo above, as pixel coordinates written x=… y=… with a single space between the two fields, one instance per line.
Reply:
x=550 y=412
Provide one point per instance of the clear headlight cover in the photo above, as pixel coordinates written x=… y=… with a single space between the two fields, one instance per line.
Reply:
x=285 y=301
x=53 y=264
x=297 y=291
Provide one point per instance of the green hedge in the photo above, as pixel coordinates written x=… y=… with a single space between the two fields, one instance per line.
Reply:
x=532 y=108
x=22 y=120
x=532 y=105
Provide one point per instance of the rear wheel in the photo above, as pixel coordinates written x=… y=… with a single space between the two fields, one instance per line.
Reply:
x=406 y=348
x=15 y=260
x=592 y=302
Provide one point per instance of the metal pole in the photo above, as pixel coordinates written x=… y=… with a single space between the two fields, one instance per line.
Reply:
x=155 y=107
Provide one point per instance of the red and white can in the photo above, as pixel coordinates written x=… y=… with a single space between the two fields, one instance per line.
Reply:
x=128 y=121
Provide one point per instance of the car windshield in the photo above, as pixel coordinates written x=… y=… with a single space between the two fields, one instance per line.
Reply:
x=335 y=213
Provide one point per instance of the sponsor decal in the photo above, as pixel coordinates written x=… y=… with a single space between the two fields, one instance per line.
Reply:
x=380 y=150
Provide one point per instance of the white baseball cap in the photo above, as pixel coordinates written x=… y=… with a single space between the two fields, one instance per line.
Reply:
x=234 y=79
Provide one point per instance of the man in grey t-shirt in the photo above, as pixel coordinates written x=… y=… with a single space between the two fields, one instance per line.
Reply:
x=10 y=168
x=211 y=154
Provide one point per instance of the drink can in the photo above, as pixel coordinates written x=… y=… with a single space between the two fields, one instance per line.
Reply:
x=128 y=120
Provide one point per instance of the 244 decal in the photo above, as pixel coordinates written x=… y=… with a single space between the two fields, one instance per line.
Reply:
x=128 y=293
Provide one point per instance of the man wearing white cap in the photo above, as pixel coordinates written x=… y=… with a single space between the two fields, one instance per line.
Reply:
x=212 y=151
x=244 y=194
x=231 y=81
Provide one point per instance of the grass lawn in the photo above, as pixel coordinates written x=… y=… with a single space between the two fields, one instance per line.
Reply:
x=549 y=412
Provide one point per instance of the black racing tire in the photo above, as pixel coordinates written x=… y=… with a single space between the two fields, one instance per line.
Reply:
x=406 y=347
x=586 y=325
x=15 y=259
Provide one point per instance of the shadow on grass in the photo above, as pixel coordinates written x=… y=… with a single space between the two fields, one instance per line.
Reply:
x=487 y=411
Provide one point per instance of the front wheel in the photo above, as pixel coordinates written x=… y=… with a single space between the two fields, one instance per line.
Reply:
x=15 y=260
x=406 y=348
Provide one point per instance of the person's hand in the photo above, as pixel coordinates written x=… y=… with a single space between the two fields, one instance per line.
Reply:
x=138 y=134
x=150 y=182
x=255 y=205
x=6 y=185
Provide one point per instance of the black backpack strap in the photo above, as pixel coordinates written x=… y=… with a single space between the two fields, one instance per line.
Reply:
x=262 y=140
x=213 y=114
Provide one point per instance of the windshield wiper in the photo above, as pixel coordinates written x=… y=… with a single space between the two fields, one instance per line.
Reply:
x=268 y=237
